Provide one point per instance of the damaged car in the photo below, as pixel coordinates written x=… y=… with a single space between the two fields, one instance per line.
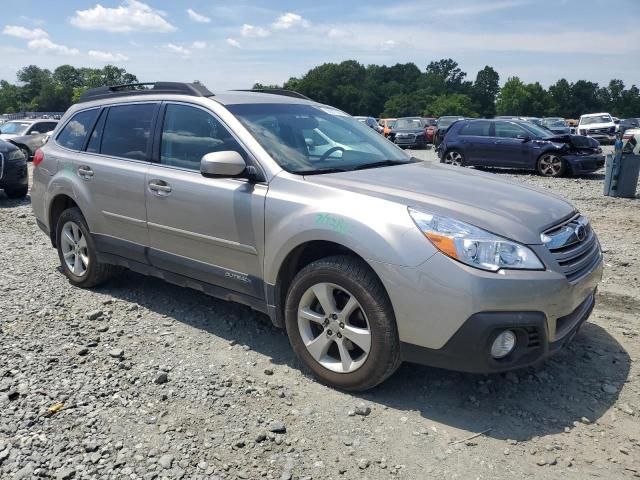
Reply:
x=519 y=144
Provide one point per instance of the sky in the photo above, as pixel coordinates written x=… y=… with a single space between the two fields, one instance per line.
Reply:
x=233 y=44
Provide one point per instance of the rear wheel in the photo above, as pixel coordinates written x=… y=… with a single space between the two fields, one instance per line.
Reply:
x=453 y=157
x=341 y=324
x=550 y=165
x=17 y=192
x=77 y=251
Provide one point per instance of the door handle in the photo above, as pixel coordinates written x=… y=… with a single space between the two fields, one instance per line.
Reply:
x=85 y=172
x=160 y=187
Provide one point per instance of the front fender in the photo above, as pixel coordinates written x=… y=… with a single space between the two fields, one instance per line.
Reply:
x=377 y=230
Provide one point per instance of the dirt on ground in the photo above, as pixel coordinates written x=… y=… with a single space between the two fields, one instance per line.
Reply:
x=142 y=379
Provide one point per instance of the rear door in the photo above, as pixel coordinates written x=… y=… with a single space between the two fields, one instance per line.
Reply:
x=112 y=170
x=509 y=149
x=210 y=229
x=476 y=142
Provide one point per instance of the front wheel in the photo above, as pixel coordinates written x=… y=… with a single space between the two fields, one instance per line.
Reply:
x=550 y=165
x=453 y=157
x=341 y=324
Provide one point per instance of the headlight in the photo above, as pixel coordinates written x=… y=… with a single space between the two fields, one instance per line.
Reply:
x=474 y=246
x=15 y=155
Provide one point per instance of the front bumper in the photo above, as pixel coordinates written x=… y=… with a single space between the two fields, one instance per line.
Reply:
x=468 y=350
x=585 y=163
x=447 y=312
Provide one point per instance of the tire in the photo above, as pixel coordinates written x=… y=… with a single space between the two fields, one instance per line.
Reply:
x=89 y=272
x=17 y=192
x=453 y=157
x=348 y=284
x=551 y=165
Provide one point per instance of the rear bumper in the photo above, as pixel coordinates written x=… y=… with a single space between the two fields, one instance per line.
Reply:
x=14 y=174
x=585 y=163
x=469 y=349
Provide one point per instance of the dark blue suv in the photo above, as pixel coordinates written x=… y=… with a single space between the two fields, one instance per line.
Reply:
x=519 y=144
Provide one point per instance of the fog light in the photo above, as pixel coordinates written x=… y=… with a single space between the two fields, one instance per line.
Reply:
x=504 y=344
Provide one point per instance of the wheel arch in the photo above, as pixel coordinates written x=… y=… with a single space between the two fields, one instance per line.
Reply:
x=59 y=204
x=298 y=258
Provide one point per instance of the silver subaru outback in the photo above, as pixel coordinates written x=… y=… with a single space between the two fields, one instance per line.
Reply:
x=366 y=256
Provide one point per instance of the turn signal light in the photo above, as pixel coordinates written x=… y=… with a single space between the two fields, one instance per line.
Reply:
x=38 y=158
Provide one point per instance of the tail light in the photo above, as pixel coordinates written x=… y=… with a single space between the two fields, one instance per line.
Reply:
x=38 y=157
x=627 y=137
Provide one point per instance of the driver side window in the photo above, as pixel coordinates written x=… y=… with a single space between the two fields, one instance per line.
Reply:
x=509 y=130
x=189 y=133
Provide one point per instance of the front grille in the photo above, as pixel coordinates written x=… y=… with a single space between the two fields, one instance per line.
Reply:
x=574 y=247
x=405 y=138
x=533 y=337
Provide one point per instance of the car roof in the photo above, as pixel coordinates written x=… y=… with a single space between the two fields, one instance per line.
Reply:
x=595 y=114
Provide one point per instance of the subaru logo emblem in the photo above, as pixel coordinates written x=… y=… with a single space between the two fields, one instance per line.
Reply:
x=581 y=233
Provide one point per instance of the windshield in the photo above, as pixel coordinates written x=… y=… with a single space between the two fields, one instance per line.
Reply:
x=309 y=139
x=431 y=122
x=14 y=128
x=596 y=119
x=536 y=130
x=446 y=121
x=408 y=123
x=554 y=123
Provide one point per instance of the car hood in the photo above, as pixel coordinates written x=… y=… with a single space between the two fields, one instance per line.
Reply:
x=577 y=141
x=597 y=125
x=513 y=211
x=9 y=136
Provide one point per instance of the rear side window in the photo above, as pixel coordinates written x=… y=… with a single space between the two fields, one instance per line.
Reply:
x=75 y=132
x=96 y=135
x=127 y=131
x=476 y=129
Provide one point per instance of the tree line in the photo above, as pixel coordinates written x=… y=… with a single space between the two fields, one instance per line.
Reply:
x=376 y=90
x=41 y=90
x=444 y=89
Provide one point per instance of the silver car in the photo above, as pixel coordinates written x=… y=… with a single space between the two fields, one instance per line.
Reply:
x=365 y=256
x=28 y=135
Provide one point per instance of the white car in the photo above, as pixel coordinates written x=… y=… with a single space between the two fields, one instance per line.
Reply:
x=599 y=126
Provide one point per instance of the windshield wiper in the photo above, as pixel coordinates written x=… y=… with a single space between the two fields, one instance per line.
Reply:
x=383 y=163
x=319 y=171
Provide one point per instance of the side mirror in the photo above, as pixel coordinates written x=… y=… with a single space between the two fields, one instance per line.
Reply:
x=35 y=132
x=524 y=138
x=227 y=164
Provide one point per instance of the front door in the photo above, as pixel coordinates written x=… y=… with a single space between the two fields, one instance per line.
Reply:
x=509 y=147
x=210 y=229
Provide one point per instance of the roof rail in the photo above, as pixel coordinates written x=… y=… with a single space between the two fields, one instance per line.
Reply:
x=277 y=91
x=175 y=88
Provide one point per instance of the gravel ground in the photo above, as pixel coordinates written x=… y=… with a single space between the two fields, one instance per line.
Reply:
x=141 y=379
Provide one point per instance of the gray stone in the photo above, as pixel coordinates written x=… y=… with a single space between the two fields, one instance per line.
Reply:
x=94 y=314
x=165 y=461
x=161 y=379
x=277 y=427
x=116 y=353
x=65 y=473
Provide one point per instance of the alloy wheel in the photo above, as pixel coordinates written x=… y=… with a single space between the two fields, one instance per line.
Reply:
x=334 y=327
x=74 y=249
x=550 y=165
x=453 y=158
